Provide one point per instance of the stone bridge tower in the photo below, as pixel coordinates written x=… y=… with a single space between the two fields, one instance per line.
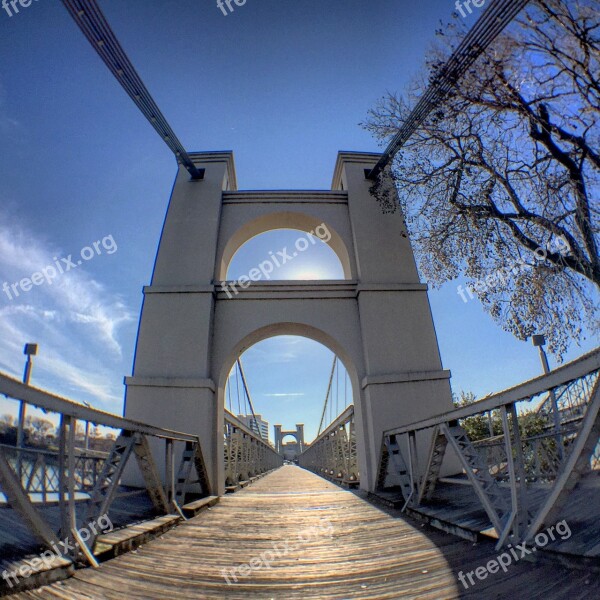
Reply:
x=298 y=435
x=377 y=320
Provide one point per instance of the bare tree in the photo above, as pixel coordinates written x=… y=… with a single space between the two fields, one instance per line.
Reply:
x=40 y=428
x=7 y=420
x=501 y=182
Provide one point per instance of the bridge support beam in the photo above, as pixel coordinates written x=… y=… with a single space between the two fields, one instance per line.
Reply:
x=403 y=379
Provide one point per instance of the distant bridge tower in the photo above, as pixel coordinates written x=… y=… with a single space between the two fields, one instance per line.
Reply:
x=377 y=320
x=298 y=435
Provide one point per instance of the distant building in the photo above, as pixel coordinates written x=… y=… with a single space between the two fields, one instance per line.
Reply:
x=258 y=425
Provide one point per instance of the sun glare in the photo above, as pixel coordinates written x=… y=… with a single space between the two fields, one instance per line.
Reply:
x=308 y=275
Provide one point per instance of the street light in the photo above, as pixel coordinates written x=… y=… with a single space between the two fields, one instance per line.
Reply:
x=87 y=429
x=539 y=341
x=29 y=351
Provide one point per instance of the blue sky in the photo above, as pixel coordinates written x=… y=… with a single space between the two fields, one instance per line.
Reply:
x=282 y=83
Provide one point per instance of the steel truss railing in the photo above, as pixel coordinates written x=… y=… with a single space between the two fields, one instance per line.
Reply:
x=570 y=401
x=31 y=478
x=246 y=454
x=333 y=453
x=507 y=471
x=39 y=470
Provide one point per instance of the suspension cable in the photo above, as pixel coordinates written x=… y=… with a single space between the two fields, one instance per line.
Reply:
x=229 y=393
x=95 y=27
x=337 y=389
x=237 y=382
x=487 y=28
x=345 y=389
x=327 y=396
x=239 y=362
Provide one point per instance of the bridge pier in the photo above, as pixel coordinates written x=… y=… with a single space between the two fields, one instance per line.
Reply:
x=172 y=380
x=377 y=320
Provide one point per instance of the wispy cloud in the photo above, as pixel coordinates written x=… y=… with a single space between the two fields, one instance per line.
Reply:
x=283 y=395
x=76 y=320
x=279 y=350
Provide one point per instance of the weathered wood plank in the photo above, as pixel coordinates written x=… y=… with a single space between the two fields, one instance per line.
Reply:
x=329 y=543
x=192 y=509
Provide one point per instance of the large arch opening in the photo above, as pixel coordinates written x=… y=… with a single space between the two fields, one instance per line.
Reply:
x=292 y=246
x=277 y=396
x=287 y=381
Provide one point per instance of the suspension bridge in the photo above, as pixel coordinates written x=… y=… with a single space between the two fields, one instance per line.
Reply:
x=394 y=498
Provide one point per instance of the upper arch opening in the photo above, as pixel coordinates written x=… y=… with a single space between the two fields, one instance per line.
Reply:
x=292 y=240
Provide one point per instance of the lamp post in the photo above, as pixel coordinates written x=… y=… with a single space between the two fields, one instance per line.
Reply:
x=87 y=429
x=29 y=351
x=539 y=341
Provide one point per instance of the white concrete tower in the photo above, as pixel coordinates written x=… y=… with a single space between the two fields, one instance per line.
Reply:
x=377 y=320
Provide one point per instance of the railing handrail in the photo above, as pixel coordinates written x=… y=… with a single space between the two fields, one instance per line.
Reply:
x=237 y=423
x=498 y=440
x=79 y=452
x=339 y=420
x=580 y=367
x=12 y=388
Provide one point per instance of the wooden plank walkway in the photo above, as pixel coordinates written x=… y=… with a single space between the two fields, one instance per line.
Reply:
x=331 y=544
x=457 y=506
x=17 y=541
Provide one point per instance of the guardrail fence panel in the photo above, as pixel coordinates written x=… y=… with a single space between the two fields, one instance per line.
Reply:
x=333 y=453
x=246 y=454
x=84 y=483
x=521 y=461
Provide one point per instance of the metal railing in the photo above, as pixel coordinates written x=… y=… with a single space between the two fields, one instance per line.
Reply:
x=510 y=472
x=570 y=400
x=38 y=470
x=68 y=476
x=246 y=453
x=333 y=453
